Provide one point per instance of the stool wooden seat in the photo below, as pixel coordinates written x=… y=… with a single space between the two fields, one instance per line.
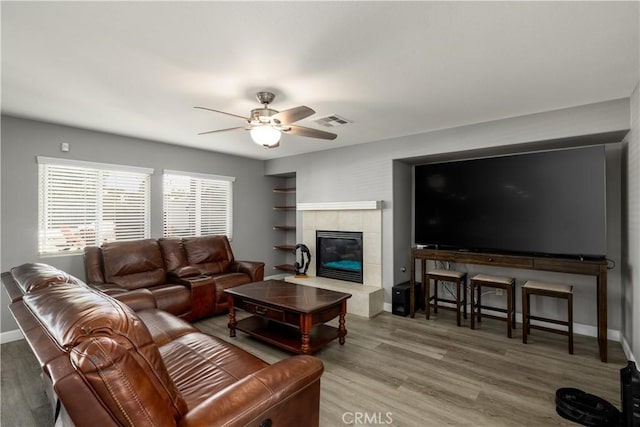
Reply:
x=556 y=290
x=459 y=278
x=506 y=283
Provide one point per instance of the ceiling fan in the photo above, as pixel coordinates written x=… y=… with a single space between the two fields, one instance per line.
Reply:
x=266 y=125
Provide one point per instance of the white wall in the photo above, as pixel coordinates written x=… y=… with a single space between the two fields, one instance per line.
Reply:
x=367 y=173
x=23 y=140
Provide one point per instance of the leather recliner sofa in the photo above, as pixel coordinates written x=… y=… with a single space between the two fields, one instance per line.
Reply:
x=187 y=276
x=104 y=364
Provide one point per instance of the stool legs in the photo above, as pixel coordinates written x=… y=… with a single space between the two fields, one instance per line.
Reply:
x=460 y=301
x=427 y=297
x=509 y=310
x=527 y=316
x=570 y=308
x=476 y=303
x=435 y=295
x=464 y=306
x=473 y=306
x=513 y=306
x=479 y=290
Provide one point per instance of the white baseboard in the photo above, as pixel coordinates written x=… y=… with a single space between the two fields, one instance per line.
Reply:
x=10 y=336
x=627 y=350
x=578 y=328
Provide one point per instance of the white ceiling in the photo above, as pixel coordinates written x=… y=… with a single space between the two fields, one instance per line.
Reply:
x=392 y=68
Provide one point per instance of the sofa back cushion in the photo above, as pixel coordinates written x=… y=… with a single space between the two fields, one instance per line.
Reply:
x=211 y=254
x=133 y=265
x=111 y=349
x=172 y=253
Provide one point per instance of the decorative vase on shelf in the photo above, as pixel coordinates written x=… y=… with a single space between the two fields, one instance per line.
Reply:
x=302 y=266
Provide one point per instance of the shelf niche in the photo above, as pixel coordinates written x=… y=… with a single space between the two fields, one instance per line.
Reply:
x=285 y=241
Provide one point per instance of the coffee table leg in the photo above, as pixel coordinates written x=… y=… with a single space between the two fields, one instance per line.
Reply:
x=305 y=328
x=232 y=318
x=342 y=329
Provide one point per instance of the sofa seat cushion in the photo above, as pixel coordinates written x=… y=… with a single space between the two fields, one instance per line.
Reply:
x=164 y=327
x=176 y=299
x=202 y=365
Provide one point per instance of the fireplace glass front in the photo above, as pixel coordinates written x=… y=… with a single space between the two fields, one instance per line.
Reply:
x=339 y=255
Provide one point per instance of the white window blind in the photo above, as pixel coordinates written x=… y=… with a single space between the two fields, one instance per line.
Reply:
x=197 y=204
x=83 y=204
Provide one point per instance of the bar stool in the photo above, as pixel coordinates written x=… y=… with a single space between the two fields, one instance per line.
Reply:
x=459 y=278
x=556 y=290
x=505 y=283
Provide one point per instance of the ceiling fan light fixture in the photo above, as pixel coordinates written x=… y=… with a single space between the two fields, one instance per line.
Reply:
x=267 y=124
x=265 y=136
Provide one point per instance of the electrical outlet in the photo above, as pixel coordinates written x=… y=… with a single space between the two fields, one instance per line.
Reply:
x=499 y=292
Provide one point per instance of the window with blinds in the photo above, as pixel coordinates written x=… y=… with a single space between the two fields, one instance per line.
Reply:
x=197 y=204
x=84 y=203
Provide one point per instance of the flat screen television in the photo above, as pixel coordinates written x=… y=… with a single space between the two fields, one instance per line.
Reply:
x=550 y=203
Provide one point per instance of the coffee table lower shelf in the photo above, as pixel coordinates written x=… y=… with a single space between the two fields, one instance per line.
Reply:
x=286 y=336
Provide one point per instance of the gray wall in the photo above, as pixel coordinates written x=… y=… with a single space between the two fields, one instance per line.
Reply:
x=630 y=264
x=23 y=140
x=367 y=172
x=402 y=219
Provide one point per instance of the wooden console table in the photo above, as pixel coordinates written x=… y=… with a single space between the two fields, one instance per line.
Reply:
x=597 y=268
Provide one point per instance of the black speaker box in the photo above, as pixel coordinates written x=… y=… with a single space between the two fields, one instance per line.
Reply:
x=401 y=298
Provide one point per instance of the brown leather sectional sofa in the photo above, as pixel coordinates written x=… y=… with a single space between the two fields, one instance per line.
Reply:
x=187 y=277
x=105 y=364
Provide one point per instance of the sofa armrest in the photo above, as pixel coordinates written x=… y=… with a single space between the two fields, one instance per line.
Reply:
x=203 y=295
x=11 y=286
x=288 y=390
x=108 y=288
x=137 y=299
x=253 y=269
x=184 y=272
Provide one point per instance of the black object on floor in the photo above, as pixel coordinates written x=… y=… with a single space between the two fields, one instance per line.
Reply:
x=630 y=393
x=401 y=295
x=586 y=409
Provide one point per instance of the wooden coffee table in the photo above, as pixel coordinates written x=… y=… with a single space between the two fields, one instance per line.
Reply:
x=287 y=315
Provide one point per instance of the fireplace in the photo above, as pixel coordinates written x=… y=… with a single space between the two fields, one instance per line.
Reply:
x=339 y=255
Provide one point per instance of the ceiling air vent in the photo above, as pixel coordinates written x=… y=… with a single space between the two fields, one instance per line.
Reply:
x=331 y=121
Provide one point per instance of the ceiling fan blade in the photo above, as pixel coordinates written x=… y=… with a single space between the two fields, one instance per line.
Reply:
x=221 y=130
x=292 y=115
x=222 y=112
x=310 y=133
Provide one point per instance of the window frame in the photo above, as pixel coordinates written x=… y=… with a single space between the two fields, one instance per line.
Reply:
x=45 y=241
x=199 y=178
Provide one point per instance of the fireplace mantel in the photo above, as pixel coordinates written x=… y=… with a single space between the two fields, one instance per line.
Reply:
x=340 y=206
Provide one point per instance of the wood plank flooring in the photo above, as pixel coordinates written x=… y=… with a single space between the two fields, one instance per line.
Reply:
x=402 y=372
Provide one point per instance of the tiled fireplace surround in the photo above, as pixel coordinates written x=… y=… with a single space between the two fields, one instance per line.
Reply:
x=366 y=217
